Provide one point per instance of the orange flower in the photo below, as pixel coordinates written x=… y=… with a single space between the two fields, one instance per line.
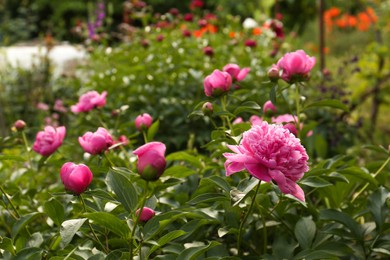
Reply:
x=211 y=28
x=372 y=14
x=351 y=21
x=232 y=35
x=332 y=12
x=256 y=31
x=198 y=33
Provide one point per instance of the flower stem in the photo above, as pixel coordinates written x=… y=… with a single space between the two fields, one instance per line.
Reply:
x=90 y=226
x=143 y=201
x=10 y=202
x=223 y=106
x=375 y=174
x=145 y=136
x=239 y=238
x=27 y=148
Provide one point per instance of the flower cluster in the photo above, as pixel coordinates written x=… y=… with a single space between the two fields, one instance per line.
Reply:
x=362 y=21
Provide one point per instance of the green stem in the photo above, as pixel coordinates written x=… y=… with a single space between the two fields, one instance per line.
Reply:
x=145 y=136
x=90 y=226
x=27 y=147
x=239 y=238
x=143 y=201
x=109 y=160
x=223 y=106
x=375 y=174
x=10 y=202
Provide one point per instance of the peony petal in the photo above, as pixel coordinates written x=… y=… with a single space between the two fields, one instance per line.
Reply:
x=259 y=171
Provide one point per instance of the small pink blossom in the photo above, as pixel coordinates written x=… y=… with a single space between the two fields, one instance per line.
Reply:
x=269 y=107
x=59 y=106
x=98 y=142
x=43 y=106
x=236 y=72
x=238 y=120
x=89 y=101
x=146 y=214
x=76 y=178
x=255 y=120
x=270 y=153
x=48 y=141
x=296 y=66
x=288 y=121
x=250 y=43
x=208 y=51
x=151 y=160
x=217 y=83
x=19 y=125
x=143 y=122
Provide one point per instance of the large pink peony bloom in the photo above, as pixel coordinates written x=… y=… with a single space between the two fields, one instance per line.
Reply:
x=76 y=178
x=296 y=66
x=236 y=72
x=270 y=153
x=89 y=101
x=48 y=141
x=217 y=83
x=151 y=160
x=98 y=142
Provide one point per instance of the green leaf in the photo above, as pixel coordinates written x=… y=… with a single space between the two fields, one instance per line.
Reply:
x=7 y=245
x=333 y=103
x=343 y=218
x=179 y=171
x=315 y=181
x=193 y=252
x=377 y=206
x=110 y=222
x=30 y=253
x=221 y=182
x=11 y=158
x=185 y=156
x=69 y=229
x=357 y=172
x=99 y=193
x=208 y=197
x=247 y=106
x=123 y=188
x=321 y=146
x=54 y=209
x=153 y=130
x=304 y=231
x=23 y=221
x=166 y=239
x=376 y=148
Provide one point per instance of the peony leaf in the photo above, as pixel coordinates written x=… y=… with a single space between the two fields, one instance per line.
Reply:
x=304 y=231
x=111 y=222
x=69 y=229
x=333 y=103
x=166 y=239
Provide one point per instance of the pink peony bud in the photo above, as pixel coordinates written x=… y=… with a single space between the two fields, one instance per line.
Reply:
x=207 y=109
x=235 y=71
x=238 y=120
x=89 y=101
x=188 y=17
x=143 y=122
x=146 y=214
x=76 y=178
x=273 y=73
x=269 y=108
x=98 y=142
x=20 y=125
x=48 y=141
x=296 y=66
x=217 y=83
x=151 y=160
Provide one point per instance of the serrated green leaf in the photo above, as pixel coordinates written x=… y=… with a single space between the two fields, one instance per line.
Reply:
x=304 y=231
x=123 y=188
x=23 y=221
x=110 y=222
x=55 y=210
x=69 y=229
x=166 y=239
x=333 y=103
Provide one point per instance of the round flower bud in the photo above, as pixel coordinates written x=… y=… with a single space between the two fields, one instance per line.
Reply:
x=207 y=109
x=20 y=125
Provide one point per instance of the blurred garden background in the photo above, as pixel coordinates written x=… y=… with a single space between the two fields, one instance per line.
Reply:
x=152 y=57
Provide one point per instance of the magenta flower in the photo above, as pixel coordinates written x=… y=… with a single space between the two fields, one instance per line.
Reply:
x=296 y=66
x=48 y=141
x=208 y=51
x=151 y=160
x=235 y=71
x=143 y=122
x=217 y=83
x=269 y=107
x=270 y=153
x=76 y=178
x=289 y=122
x=255 y=120
x=98 y=142
x=250 y=43
x=146 y=214
x=89 y=101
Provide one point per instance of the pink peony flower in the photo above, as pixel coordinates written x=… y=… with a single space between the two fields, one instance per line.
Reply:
x=76 y=178
x=98 y=142
x=288 y=121
x=143 y=122
x=255 y=120
x=188 y=17
x=48 y=141
x=235 y=71
x=146 y=214
x=89 y=101
x=296 y=66
x=151 y=160
x=59 y=106
x=270 y=153
x=269 y=107
x=217 y=83
x=43 y=106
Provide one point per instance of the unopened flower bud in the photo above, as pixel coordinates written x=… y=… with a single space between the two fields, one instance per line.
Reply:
x=273 y=73
x=146 y=214
x=207 y=109
x=20 y=125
